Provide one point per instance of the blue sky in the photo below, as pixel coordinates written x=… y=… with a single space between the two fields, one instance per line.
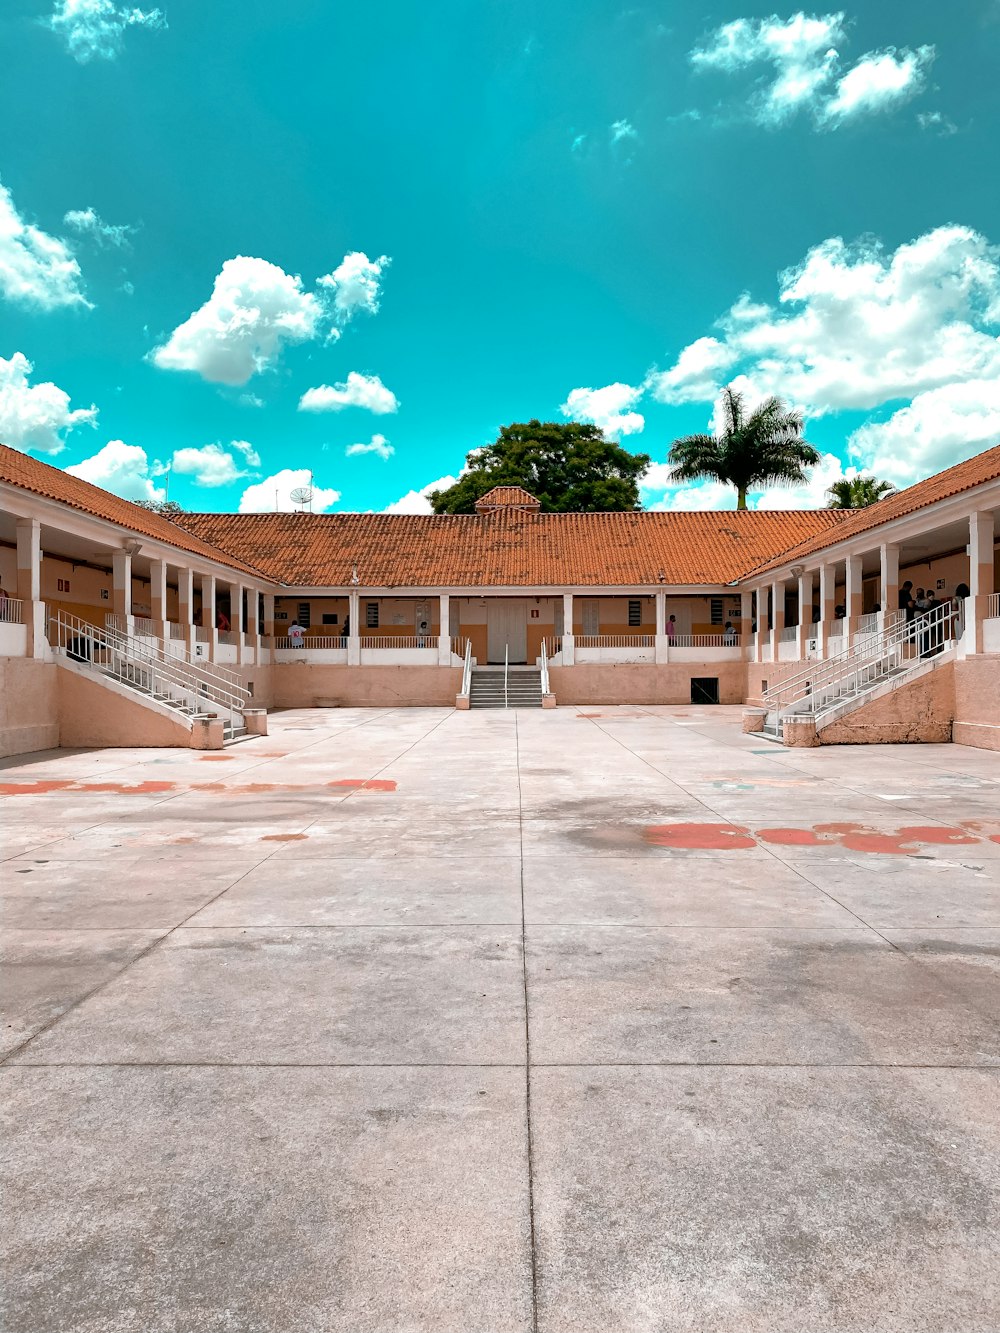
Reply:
x=237 y=239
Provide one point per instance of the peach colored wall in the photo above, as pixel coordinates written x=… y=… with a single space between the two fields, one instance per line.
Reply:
x=977 y=702
x=922 y=711
x=774 y=673
x=307 y=685
x=29 y=718
x=632 y=683
x=90 y=714
x=83 y=595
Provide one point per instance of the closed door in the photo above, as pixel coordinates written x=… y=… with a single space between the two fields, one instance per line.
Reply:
x=507 y=629
x=591 y=616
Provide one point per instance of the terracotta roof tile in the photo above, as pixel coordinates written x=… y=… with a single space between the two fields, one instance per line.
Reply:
x=501 y=496
x=30 y=474
x=510 y=547
x=963 y=476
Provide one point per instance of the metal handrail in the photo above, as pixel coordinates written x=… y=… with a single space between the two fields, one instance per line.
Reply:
x=141 y=661
x=506 y=668
x=615 y=641
x=467 y=669
x=545 y=670
x=11 y=611
x=879 y=650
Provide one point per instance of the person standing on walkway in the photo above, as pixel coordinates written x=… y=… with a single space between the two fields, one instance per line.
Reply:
x=295 y=634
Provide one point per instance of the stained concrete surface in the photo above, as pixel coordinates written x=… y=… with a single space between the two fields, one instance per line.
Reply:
x=269 y=1037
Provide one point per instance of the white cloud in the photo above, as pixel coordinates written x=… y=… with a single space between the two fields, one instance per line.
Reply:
x=365 y=391
x=377 y=445
x=938 y=428
x=606 y=408
x=806 y=65
x=35 y=417
x=856 y=327
x=274 y=492
x=938 y=121
x=879 y=81
x=95 y=29
x=660 y=493
x=255 y=308
x=417 y=502
x=622 y=129
x=124 y=469
x=89 y=223
x=35 y=268
x=213 y=465
x=354 y=285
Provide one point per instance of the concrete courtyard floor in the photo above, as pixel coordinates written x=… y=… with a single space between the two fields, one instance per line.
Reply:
x=604 y=1021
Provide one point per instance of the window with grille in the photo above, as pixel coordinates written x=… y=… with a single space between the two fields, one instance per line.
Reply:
x=635 y=612
x=305 y=614
x=329 y=619
x=371 y=615
x=718 y=613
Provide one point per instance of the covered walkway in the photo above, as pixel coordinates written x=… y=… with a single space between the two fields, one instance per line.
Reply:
x=572 y=1020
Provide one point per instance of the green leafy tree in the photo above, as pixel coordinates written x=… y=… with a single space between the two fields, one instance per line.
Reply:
x=569 y=467
x=168 y=508
x=858 y=493
x=754 y=449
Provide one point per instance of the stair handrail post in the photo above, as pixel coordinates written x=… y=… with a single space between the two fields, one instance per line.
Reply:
x=506 y=656
x=467 y=669
x=545 y=670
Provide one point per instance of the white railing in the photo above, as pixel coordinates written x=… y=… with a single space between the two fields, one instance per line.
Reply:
x=545 y=670
x=177 y=631
x=145 y=626
x=705 y=641
x=993 y=606
x=506 y=669
x=149 y=665
x=310 y=641
x=227 y=636
x=615 y=640
x=467 y=670
x=552 y=645
x=862 y=665
x=868 y=622
x=202 y=634
x=789 y=634
x=399 y=641
x=11 y=611
x=838 y=628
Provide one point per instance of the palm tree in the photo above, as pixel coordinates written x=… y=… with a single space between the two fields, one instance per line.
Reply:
x=858 y=493
x=761 y=448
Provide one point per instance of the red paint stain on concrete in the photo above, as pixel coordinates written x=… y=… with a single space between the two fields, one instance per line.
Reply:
x=216 y=758
x=791 y=837
x=937 y=834
x=40 y=787
x=364 y=784
x=284 y=837
x=700 y=837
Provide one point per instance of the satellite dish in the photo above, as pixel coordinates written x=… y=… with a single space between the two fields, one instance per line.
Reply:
x=302 y=495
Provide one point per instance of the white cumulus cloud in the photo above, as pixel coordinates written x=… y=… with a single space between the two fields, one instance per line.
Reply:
x=275 y=493
x=95 y=29
x=213 y=464
x=607 y=408
x=255 y=308
x=89 y=223
x=879 y=81
x=124 y=469
x=35 y=268
x=856 y=327
x=418 y=502
x=377 y=445
x=354 y=285
x=938 y=428
x=357 y=390
x=35 y=417
x=807 y=70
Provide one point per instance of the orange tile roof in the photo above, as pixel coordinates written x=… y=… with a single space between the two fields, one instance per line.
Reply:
x=963 y=476
x=510 y=547
x=30 y=474
x=500 y=496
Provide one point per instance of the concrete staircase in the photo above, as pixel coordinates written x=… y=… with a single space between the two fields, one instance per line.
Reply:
x=523 y=687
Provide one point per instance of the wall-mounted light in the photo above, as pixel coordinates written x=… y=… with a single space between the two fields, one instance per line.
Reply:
x=132 y=547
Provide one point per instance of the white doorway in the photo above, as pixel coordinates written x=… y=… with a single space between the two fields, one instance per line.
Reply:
x=507 y=629
x=591 y=616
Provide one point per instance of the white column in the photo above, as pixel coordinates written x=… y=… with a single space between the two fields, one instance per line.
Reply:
x=746 y=617
x=852 y=597
x=121 y=572
x=777 y=617
x=827 y=605
x=662 y=653
x=210 y=638
x=236 y=617
x=354 y=636
x=805 y=613
x=185 y=606
x=761 y=621
x=29 y=583
x=981 y=578
x=568 y=641
x=444 y=630
x=253 y=624
x=888 y=586
x=158 y=597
